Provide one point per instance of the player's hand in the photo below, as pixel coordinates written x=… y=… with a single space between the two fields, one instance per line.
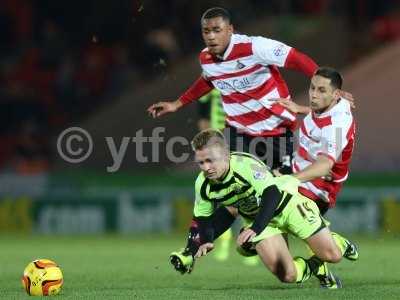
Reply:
x=162 y=108
x=292 y=106
x=276 y=172
x=288 y=104
x=204 y=249
x=349 y=97
x=245 y=236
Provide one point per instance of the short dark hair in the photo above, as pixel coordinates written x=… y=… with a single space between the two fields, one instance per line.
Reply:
x=216 y=12
x=207 y=138
x=332 y=74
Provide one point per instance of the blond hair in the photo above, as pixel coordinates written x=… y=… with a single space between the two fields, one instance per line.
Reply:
x=208 y=138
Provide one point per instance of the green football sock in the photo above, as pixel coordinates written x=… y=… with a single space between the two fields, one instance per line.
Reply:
x=226 y=236
x=340 y=241
x=302 y=269
x=222 y=244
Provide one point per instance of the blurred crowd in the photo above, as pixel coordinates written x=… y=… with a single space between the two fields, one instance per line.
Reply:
x=61 y=60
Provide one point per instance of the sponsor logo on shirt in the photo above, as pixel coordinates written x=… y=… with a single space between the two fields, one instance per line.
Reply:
x=236 y=84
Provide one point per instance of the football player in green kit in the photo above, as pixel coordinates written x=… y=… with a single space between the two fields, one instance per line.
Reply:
x=239 y=184
x=212 y=115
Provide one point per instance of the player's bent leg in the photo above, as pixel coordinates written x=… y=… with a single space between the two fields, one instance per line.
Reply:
x=306 y=223
x=276 y=257
x=350 y=248
x=347 y=247
x=325 y=247
x=351 y=251
x=327 y=279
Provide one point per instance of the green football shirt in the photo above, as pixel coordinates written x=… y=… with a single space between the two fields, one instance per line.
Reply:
x=241 y=187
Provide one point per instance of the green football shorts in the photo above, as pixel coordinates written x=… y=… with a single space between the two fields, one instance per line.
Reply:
x=300 y=217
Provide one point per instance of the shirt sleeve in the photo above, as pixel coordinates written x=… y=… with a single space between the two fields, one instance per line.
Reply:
x=287 y=183
x=335 y=137
x=256 y=173
x=300 y=62
x=202 y=207
x=270 y=200
x=198 y=89
x=270 y=52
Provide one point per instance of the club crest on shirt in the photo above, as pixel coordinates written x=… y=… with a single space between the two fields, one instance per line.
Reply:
x=239 y=65
x=258 y=175
x=279 y=50
x=331 y=147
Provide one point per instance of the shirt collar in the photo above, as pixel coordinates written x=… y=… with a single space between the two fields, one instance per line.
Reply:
x=328 y=112
x=228 y=49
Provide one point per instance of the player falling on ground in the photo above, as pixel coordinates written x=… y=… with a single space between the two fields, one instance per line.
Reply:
x=233 y=184
x=212 y=116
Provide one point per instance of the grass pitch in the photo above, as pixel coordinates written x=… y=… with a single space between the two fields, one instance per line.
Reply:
x=124 y=267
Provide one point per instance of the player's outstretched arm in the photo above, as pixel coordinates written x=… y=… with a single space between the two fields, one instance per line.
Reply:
x=202 y=232
x=270 y=200
x=300 y=62
x=161 y=108
x=198 y=89
x=293 y=106
x=319 y=168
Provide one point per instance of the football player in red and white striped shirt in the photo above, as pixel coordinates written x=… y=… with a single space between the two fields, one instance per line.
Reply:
x=245 y=71
x=326 y=140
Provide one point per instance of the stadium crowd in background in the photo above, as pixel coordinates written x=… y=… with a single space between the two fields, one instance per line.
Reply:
x=59 y=60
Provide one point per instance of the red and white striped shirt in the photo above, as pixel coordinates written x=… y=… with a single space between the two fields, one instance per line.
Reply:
x=331 y=134
x=248 y=78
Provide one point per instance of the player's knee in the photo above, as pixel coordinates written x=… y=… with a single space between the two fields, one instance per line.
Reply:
x=288 y=277
x=333 y=256
x=337 y=256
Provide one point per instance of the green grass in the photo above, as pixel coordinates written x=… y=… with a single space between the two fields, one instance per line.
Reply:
x=123 y=267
